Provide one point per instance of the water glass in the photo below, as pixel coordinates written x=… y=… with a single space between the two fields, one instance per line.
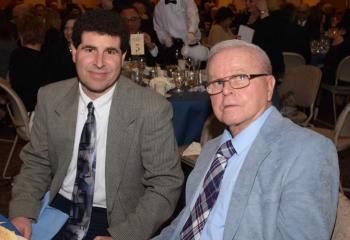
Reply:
x=178 y=80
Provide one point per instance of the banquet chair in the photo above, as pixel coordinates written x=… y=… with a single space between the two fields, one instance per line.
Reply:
x=211 y=129
x=292 y=60
x=342 y=76
x=340 y=135
x=19 y=118
x=303 y=82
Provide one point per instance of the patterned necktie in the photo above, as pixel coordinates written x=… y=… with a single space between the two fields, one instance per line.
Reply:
x=83 y=191
x=206 y=199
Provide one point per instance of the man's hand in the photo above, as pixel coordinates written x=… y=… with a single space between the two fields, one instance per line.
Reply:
x=167 y=41
x=103 y=238
x=190 y=38
x=24 y=225
x=148 y=41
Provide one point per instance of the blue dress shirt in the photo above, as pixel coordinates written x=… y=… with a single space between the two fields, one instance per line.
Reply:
x=214 y=227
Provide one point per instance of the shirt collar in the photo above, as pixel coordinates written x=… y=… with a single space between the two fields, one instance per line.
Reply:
x=246 y=137
x=98 y=102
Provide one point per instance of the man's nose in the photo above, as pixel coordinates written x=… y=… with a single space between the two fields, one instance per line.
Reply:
x=99 y=60
x=227 y=89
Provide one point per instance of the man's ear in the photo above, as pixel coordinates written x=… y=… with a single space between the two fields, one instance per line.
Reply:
x=73 y=51
x=271 y=81
x=123 y=57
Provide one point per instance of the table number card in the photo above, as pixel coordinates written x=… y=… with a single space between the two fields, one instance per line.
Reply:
x=137 y=44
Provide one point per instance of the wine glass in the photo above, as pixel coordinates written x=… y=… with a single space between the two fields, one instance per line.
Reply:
x=192 y=79
x=178 y=80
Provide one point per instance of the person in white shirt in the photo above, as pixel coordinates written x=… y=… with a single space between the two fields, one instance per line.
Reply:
x=176 y=23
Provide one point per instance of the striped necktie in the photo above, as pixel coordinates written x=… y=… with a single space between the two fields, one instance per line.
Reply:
x=207 y=198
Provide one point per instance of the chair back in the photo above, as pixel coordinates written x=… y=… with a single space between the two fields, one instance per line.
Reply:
x=16 y=110
x=292 y=60
x=343 y=71
x=211 y=129
x=304 y=82
x=342 y=127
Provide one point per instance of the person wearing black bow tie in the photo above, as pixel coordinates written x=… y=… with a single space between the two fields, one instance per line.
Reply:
x=176 y=22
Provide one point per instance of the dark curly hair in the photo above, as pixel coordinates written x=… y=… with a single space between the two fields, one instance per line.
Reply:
x=104 y=22
x=31 y=29
x=222 y=14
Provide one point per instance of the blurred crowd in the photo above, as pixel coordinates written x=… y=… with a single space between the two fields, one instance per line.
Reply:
x=35 y=39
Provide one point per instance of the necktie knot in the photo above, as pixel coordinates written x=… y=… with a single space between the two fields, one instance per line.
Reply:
x=91 y=108
x=226 y=150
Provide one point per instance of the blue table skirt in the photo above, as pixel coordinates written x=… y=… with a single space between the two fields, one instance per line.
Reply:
x=191 y=109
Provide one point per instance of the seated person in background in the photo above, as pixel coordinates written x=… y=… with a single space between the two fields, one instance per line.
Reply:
x=133 y=21
x=311 y=20
x=267 y=33
x=59 y=57
x=220 y=30
x=205 y=26
x=264 y=177
x=7 y=44
x=27 y=64
x=340 y=48
x=145 y=10
x=103 y=146
x=294 y=37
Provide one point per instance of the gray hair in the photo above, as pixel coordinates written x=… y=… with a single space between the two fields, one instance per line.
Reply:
x=235 y=44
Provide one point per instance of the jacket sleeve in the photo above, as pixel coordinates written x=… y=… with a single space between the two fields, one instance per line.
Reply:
x=35 y=175
x=310 y=196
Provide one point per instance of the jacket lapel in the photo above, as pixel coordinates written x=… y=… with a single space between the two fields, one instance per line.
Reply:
x=119 y=137
x=65 y=122
x=258 y=152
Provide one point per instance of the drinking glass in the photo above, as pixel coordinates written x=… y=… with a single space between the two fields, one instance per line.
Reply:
x=178 y=80
x=192 y=78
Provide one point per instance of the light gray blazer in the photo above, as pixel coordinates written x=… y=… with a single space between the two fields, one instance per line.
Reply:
x=143 y=174
x=287 y=187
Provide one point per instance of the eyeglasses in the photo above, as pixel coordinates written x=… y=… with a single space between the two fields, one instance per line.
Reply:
x=236 y=81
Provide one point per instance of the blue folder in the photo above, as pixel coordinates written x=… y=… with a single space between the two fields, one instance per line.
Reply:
x=50 y=221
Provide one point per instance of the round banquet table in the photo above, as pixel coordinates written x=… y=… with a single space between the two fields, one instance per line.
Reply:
x=191 y=109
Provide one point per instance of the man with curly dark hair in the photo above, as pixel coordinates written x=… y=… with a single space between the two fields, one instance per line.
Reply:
x=103 y=146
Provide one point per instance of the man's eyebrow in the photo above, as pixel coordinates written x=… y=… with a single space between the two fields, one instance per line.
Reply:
x=88 y=46
x=112 y=49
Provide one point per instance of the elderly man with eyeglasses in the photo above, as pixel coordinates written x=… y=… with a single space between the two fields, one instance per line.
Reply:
x=264 y=177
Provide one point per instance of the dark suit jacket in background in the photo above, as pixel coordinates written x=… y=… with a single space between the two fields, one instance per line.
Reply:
x=27 y=74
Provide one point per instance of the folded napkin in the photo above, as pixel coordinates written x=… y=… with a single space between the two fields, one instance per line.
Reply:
x=200 y=88
x=161 y=85
x=50 y=221
x=194 y=149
